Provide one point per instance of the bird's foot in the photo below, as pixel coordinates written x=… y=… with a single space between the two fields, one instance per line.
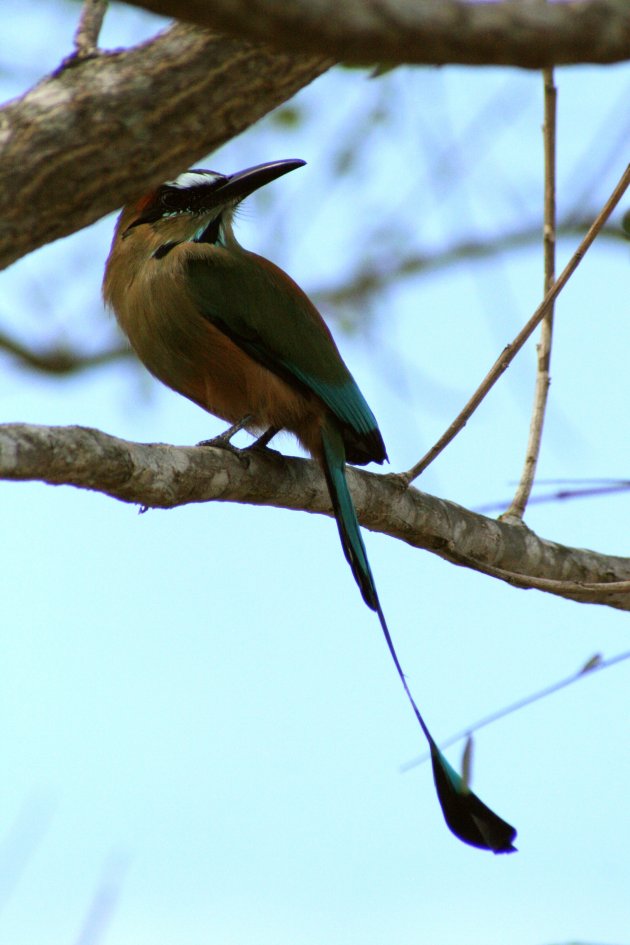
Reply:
x=262 y=442
x=223 y=440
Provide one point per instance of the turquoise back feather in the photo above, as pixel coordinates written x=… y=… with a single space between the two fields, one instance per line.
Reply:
x=267 y=315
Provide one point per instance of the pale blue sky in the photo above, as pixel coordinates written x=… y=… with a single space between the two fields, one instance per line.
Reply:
x=195 y=706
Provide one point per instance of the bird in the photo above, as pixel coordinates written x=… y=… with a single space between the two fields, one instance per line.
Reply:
x=230 y=331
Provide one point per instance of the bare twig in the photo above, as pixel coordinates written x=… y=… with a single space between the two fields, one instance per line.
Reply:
x=59 y=360
x=597 y=488
x=375 y=275
x=593 y=665
x=90 y=22
x=599 y=592
x=541 y=391
x=511 y=350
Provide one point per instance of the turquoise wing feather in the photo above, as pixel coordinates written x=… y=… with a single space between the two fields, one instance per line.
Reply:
x=263 y=311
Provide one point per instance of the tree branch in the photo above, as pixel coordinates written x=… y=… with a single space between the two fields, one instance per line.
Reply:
x=527 y=34
x=98 y=131
x=543 y=348
x=90 y=22
x=160 y=476
x=59 y=359
x=379 y=272
x=509 y=352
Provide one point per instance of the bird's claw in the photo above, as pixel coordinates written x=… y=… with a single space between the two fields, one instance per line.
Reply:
x=223 y=440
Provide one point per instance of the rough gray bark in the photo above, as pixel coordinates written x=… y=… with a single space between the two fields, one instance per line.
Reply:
x=526 y=33
x=160 y=476
x=102 y=129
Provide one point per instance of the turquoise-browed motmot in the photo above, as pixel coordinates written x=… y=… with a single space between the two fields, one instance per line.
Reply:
x=233 y=333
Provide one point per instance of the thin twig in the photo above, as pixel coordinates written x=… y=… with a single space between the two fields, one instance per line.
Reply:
x=593 y=665
x=378 y=274
x=605 y=487
x=541 y=391
x=511 y=350
x=598 y=592
x=60 y=361
x=87 y=32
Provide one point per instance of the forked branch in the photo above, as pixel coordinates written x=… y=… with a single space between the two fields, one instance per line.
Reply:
x=510 y=351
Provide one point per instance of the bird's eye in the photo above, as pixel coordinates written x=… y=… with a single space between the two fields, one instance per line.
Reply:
x=170 y=201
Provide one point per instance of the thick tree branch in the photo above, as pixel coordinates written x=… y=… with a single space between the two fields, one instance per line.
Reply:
x=526 y=33
x=101 y=130
x=161 y=476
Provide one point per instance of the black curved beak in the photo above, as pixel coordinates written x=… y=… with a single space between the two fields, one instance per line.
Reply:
x=243 y=183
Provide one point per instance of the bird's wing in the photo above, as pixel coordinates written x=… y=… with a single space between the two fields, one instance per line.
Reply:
x=268 y=316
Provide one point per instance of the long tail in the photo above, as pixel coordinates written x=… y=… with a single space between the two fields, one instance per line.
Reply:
x=465 y=814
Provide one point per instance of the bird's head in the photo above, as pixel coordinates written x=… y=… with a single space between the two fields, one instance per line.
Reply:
x=199 y=204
